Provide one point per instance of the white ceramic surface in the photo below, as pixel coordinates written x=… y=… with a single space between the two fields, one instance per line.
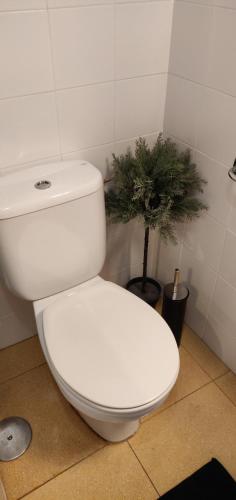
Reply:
x=182 y=94
x=85 y=116
x=139 y=106
x=28 y=129
x=51 y=250
x=26 y=65
x=97 y=339
x=65 y=181
x=201 y=112
x=153 y=20
x=113 y=424
x=81 y=120
x=190 y=59
x=72 y=31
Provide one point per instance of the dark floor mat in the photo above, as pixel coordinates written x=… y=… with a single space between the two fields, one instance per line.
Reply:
x=211 y=482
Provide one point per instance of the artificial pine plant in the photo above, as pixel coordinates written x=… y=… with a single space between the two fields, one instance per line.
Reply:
x=158 y=184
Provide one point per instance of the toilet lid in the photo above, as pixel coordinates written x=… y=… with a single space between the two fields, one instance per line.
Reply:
x=110 y=346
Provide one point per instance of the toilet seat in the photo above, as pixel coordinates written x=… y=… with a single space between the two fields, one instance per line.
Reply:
x=110 y=348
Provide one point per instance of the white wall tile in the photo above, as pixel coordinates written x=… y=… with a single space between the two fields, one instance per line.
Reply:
x=122 y=146
x=85 y=116
x=216 y=133
x=25 y=58
x=118 y=257
x=17 y=327
x=142 y=38
x=190 y=41
x=205 y=238
x=217 y=192
x=200 y=280
x=221 y=68
x=120 y=278
x=10 y=5
x=227 y=265
x=181 y=111
x=82 y=40
x=75 y=3
x=139 y=106
x=201 y=112
x=232 y=216
x=195 y=316
x=220 y=333
x=28 y=129
x=20 y=166
x=220 y=3
x=8 y=302
x=168 y=258
x=100 y=156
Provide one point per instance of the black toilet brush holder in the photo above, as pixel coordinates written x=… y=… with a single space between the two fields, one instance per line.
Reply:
x=174 y=305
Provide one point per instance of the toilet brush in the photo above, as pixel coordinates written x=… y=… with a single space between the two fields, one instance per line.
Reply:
x=174 y=305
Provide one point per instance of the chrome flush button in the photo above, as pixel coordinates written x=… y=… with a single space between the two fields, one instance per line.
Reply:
x=42 y=184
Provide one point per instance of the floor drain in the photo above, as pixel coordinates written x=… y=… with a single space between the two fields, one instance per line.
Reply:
x=15 y=438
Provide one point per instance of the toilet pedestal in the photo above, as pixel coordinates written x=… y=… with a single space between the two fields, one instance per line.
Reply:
x=112 y=431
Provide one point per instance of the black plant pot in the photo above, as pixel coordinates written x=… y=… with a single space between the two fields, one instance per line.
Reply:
x=150 y=292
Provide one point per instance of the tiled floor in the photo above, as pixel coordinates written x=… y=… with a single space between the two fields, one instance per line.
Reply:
x=68 y=461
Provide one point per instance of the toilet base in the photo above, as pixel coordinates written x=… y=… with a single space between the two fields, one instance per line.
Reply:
x=112 y=431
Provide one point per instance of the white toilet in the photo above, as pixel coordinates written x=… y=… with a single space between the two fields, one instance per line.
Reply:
x=113 y=357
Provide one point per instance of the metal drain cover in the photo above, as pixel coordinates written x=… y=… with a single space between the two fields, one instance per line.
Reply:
x=15 y=438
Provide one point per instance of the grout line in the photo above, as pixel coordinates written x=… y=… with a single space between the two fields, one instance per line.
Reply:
x=205 y=4
x=222 y=375
x=36 y=162
x=22 y=373
x=161 y=410
x=143 y=468
x=62 y=472
x=78 y=6
x=196 y=361
x=21 y=341
x=81 y=85
x=105 y=4
x=223 y=392
x=113 y=143
x=12 y=167
x=192 y=356
x=58 y=128
x=204 y=85
x=23 y=11
x=202 y=153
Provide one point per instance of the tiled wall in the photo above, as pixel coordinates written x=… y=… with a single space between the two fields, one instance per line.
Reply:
x=201 y=113
x=79 y=78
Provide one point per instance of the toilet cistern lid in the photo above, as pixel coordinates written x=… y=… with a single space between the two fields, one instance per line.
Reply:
x=111 y=347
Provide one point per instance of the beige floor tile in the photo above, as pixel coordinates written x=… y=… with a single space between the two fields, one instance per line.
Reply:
x=202 y=354
x=181 y=439
x=19 y=358
x=60 y=437
x=191 y=377
x=113 y=473
x=2 y=491
x=228 y=385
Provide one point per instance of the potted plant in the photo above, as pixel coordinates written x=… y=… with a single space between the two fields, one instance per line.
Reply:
x=158 y=184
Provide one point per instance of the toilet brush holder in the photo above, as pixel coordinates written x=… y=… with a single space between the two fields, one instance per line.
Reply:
x=174 y=305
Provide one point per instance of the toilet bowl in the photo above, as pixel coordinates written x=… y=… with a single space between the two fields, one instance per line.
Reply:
x=113 y=357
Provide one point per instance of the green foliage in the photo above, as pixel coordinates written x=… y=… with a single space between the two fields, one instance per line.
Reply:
x=158 y=184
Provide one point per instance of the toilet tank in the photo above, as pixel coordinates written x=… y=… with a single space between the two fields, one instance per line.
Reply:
x=52 y=228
